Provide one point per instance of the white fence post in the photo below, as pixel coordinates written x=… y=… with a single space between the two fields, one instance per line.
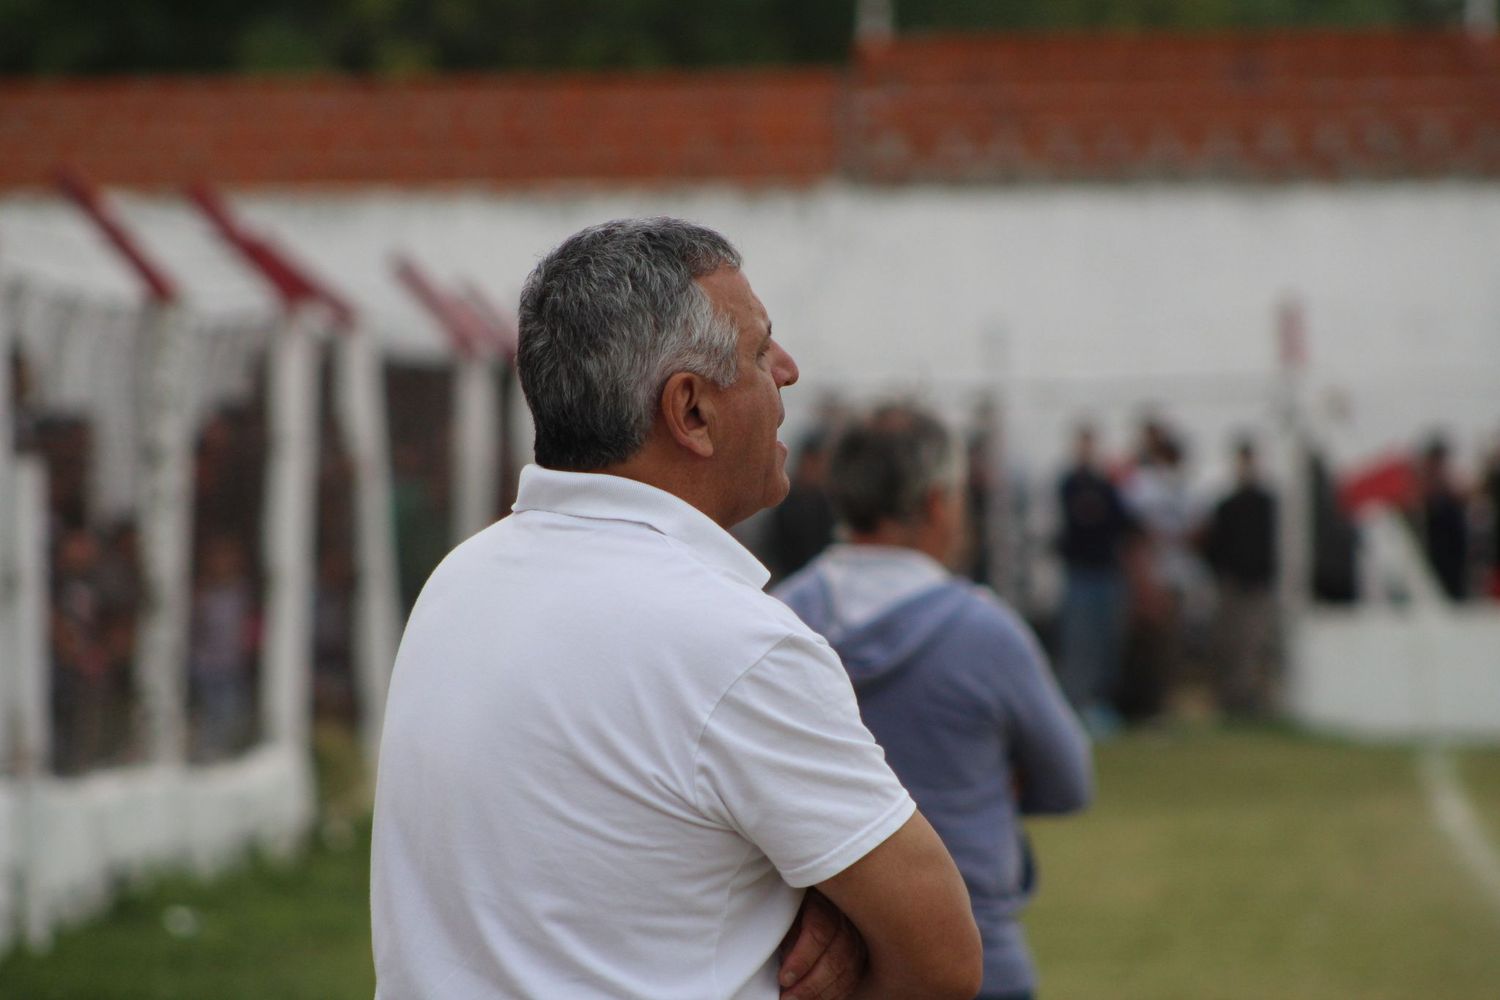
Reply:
x=1295 y=518
x=10 y=665
x=166 y=517
x=361 y=398
x=32 y=676
x=291 y=488
x=475 y=444
x=8 y=589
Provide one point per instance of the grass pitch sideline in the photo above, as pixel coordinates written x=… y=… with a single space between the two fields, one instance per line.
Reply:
x=1216 y=865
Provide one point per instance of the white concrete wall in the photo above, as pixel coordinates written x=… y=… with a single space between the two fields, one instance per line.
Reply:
x=1107 y=296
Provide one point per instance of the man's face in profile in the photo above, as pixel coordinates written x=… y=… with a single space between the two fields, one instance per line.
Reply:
x=750 y=408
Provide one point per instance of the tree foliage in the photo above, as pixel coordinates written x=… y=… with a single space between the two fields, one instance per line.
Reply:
x=52 y=37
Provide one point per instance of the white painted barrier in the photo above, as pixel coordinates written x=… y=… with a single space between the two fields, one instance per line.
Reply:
x=1391 y=673
x=73 y=841
x=1407 y=663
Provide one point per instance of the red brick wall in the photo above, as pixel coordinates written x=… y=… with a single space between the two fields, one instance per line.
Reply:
x=974 y=108
x=746 y=127
x=1318 y=105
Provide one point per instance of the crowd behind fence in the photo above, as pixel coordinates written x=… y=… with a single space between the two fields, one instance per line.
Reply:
x=1170 y=593
x=1172 y=598
x=96 y=592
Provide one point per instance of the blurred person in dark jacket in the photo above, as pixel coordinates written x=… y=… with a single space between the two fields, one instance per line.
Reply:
x=1443 y=521
x=1095 y=528
x=802 y=526
x=1492 y=519
x=950 y=680
x=1239 y=543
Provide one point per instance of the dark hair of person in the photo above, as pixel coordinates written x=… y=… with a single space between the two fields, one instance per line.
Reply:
x=883 y=466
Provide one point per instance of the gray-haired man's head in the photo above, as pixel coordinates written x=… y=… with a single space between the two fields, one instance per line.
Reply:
x=605 y=319
x=885 y=464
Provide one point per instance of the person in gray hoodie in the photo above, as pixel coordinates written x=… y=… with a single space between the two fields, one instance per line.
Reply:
x=950 y=680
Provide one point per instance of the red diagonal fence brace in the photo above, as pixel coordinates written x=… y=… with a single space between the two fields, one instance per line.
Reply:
x=466 y=331
x=501 y=328
x=159 y=288
x=293 y=283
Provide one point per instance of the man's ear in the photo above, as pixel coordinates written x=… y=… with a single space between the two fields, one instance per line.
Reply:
x=936 y=504
x=942 y=508
x=949 y=522
x=687 y=413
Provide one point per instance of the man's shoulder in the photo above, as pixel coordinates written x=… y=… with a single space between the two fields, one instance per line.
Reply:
x=984 y=616
x=764 y=612
x=621 y=565
x=669 y=581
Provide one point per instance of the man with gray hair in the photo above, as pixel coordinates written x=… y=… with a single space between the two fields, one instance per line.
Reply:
x=612 y=767
x=950 y=680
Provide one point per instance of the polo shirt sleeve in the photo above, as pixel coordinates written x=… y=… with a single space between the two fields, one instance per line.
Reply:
x=785 y=760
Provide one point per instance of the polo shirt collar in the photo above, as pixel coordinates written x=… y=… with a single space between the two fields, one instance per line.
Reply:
x=615 y=498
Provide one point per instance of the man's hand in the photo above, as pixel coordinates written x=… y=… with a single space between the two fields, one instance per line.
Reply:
x=823 y=956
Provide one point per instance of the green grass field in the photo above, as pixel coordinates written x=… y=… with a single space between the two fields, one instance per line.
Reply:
x=1216 y=865
x=1254 y=864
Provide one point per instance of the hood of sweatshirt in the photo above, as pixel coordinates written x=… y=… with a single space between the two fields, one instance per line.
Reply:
x=875 y=613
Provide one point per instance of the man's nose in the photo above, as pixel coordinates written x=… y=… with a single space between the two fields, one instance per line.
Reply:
x=785 y=368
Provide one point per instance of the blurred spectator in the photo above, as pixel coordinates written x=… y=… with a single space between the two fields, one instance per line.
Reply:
x=65 y=444
x=221 y=649
x=119 y=579
x=1169 y=592
x=333 y=682
x=1240 y=545
x=229 y=468
x=1335 y=539
x=981 y=496
x=1094 y=531
x=1492 y=504
x=1443 y=521
x=950 y=681
x=802 y=526
x=81 y=681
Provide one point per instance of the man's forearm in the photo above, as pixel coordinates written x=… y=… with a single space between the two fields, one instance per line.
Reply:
x=909 y=903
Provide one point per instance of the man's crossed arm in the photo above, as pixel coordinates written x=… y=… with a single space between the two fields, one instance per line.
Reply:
x=896 y=923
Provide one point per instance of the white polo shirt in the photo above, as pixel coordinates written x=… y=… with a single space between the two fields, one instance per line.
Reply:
x=610 y=763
